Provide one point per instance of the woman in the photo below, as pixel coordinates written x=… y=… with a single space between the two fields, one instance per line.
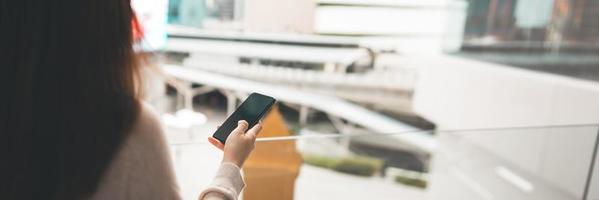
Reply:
x=72 y=125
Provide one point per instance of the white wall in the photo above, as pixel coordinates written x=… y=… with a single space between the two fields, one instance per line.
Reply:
x=276 y=16
x=460 y=94
x=432 y=25
x=152 y=15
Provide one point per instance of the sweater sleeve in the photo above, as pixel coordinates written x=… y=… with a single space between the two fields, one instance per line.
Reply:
x=227 y=184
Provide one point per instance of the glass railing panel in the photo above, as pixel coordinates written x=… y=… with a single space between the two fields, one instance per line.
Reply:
x=515 y=163
x=507 y=163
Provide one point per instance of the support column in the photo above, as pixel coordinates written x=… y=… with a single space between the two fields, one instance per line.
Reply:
x=303 y=115
x=188 y=96
x=231 y=102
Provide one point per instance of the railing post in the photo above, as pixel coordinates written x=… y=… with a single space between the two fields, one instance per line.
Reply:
x=591 y=168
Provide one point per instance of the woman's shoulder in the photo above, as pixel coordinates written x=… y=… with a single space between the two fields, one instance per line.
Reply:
x=146 y=138
x=147 y=134
x=142 y=168
x=148 y=121
x=147 y=128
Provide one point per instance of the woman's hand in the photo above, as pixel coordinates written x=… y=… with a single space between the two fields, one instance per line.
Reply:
x=239 y=144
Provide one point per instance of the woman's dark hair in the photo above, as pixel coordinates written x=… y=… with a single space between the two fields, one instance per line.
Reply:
x=68 y=94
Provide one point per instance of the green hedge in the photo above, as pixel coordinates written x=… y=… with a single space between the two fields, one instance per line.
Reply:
x=319 y=161
x=411 y=181
x=356 y=165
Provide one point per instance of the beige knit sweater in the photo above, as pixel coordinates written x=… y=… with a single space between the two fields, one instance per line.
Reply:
x=143 y=169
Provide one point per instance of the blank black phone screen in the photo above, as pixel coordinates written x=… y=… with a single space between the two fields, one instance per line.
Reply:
x=251 y=110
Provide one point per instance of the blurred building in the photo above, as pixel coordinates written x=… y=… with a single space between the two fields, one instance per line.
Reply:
x=487 y=69
x=571 y=23
x=524 y=63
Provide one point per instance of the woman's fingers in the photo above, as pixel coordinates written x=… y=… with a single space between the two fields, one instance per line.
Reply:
x=254 y=131
x=259 y=128
x=242 y=127
x=216 y=143
x=240 y=143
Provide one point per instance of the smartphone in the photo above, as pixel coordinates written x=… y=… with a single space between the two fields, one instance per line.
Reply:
x=251 y=110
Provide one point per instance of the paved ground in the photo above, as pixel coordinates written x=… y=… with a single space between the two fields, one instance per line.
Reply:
x=321 y=184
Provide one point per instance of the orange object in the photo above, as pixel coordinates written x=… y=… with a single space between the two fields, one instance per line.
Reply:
x=273 y=166
x=137 y=29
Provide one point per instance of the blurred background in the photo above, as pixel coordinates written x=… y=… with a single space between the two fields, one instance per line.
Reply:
x=384 y=99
